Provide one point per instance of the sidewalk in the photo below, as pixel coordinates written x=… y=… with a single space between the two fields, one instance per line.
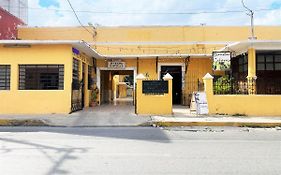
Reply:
x=88 y=118
x=85 y=118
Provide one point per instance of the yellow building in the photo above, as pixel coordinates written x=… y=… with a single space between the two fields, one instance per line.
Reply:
x=43 y=77
x=185 y=52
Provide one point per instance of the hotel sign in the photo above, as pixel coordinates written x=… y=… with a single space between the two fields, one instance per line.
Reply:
x=221 y=60
x=116 y=65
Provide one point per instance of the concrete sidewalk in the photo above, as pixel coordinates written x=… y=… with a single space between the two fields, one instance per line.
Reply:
x=88 y=118
x=85 y=118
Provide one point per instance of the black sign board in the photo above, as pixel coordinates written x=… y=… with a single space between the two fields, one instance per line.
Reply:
x=155 y=87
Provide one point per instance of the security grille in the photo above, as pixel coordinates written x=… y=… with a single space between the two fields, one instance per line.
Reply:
x=5 y=74
x=76 y=95
x=41 y=77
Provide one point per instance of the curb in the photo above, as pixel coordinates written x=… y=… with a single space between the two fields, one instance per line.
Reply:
x=34 y=122
x=233 y=124
x=24 y=122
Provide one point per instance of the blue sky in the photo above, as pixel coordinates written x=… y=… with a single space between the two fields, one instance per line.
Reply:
x=119 y=12
x=49 y=3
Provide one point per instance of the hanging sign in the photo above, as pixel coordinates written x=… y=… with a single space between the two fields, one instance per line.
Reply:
x=221 y=60
x=116 y=65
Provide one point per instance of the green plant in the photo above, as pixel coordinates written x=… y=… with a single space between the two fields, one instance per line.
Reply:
x=223 y=85
x=94 y=96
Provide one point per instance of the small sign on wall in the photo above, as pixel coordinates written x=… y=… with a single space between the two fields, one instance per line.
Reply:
x=155 y=87
x=116 y=65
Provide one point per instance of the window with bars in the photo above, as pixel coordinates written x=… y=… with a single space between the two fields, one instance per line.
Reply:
x=268 y=62
x=41 y=77
x=243 y=63
x=75 y=75
x=5 y=74
x=90 y=80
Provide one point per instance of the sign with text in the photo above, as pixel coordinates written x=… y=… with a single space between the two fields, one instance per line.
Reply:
x=199 y=103
x=116 y=65
x=221 y=60
x=155 y=87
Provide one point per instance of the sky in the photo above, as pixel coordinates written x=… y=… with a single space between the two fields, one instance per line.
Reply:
x=152 y=12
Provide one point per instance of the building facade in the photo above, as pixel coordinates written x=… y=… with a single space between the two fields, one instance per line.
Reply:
x=8 y=25
x=44 y=77
x=122 y=53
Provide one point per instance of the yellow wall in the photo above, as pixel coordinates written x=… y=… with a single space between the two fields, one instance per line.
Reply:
x=16 y=101
x=197 y=68
x=86 y=61
x=254 y=105
x=258 y=105
x=154 y=104
x=122 y=90
x=153 y=34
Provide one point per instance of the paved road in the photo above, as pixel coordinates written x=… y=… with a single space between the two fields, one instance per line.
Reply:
x=139 y=151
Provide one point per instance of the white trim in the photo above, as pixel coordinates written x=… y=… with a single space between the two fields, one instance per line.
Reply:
x=170 y=64
x=78 y=44
x=243 y=46
x=173 y=64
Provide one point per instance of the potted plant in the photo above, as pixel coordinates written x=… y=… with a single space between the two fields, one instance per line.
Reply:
x=94 y=97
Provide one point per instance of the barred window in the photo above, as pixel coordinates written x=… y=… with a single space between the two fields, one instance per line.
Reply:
x=268 y=62
x=75 y=75
x=90 y=80
x=41 y=77
x=5 y=74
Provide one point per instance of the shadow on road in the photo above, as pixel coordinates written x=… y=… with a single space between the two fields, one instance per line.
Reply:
x=68 y=153
x=132 y=133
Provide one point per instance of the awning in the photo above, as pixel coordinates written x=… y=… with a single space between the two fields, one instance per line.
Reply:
x=78 y=44
x=262 y=45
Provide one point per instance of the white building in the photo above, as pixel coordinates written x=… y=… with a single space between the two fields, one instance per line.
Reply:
x=18 y=8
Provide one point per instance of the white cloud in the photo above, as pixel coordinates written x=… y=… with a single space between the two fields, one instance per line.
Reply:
x=49 y=17
x=270 y=18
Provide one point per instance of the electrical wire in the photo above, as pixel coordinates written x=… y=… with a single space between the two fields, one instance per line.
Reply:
x=143 y=12
x=78 y=18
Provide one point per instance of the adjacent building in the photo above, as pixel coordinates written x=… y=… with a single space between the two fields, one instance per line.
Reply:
x=12 y=14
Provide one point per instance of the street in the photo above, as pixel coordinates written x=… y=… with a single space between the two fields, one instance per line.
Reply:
x=139 y=150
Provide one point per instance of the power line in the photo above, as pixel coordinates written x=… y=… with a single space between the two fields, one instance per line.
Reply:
x=78 y=18
x=145 y=12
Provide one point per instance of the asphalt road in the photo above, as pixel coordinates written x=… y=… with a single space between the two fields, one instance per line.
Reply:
x=139 y=151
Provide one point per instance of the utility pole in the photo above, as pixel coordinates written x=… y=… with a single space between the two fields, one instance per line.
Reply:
x=251 y=14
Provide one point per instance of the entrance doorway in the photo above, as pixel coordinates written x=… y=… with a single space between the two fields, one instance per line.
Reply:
x=176 y=73
x=117 y=87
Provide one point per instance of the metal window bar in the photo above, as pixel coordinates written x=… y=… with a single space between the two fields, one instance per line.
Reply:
x=75 y=75
x=5 y=75
x=269 y=86
x=90 y=80
x=41 y=77
x=225 y=85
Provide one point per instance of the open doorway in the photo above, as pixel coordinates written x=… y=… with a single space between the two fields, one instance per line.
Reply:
x=176 y=73
x=117 y=87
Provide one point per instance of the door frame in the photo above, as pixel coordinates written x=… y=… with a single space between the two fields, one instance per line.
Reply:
x=99 y=69
x=182 y=75
x=173 y=64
